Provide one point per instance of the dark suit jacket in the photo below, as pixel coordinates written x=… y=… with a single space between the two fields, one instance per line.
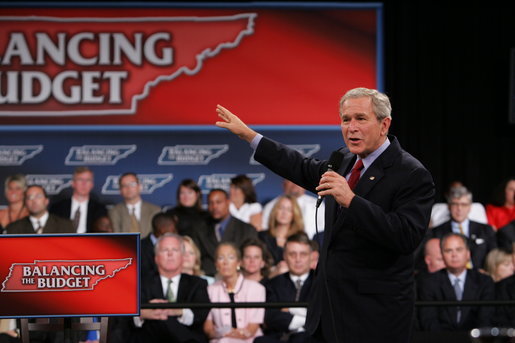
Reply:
x=236 y=231
x=191 y=289
x=481 y=240
x=437 y=287
x=506 y=236
x=282 y=289
x=505 y=290
x=54 y=224
x=365 y=270
x=96 y=210
x=148 y=265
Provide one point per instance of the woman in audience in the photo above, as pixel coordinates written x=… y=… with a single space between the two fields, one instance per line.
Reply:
x=256 y=260
x=244 y=205
x=285 y=220
x=191 y=260
x=15 y=186
x=189 y=212
x=224 y=325
x=502 y=210
x=499 y=264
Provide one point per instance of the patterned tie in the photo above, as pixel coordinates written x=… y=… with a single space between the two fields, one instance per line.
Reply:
x=76 y=218
x=39 y=228
x=459 y=295
x=298 y=286
x=354 y=176
x=169 y=292
x=134 y=221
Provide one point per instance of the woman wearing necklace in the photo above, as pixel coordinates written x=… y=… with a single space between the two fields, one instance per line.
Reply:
x=241 y=325
x=15 y=186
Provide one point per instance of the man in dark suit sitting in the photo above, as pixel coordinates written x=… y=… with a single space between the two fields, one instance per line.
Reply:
x=287 y=324
x=170 y=285
x=81 y=208
x=481 y=237
x=455 y=282
x=222 y=227
x=39 y=220
x=161 y=223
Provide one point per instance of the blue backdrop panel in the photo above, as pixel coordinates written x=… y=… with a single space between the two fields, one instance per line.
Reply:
x=161 y=156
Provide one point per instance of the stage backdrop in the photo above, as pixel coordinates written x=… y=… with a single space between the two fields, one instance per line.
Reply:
x=135 y=88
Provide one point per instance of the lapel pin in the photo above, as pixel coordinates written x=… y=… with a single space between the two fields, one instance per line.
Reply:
x=372 y=178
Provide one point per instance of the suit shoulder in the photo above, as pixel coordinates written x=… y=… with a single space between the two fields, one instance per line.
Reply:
x=194 y=280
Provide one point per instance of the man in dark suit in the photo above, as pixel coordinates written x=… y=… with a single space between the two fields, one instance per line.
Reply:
x=287 y=325
x=222 y=228
x=506 y=236
x=505 y=290
x=365 y=270
x=161 y=223
x=81 y=208
x=39 y=220
x=455 y=282
x=481 y=237
x=168 y=285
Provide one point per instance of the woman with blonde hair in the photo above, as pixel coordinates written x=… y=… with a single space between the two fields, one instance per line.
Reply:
x=499 y=264
x=15 y=186
x=285 y=220
x=191 y=260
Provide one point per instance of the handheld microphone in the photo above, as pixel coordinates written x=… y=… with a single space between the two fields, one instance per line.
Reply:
x=334 y=164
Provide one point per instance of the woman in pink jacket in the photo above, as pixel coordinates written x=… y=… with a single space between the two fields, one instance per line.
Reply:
x=225 y=325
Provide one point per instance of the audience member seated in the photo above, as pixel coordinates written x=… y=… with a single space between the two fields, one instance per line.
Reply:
x=315 y=253
x=8 y=332
x=133 y=214
x=161 y=223
x=222 y=227
x=225 y=325
x=256 y=261
x=287 y=324
x=502 y=209
x=433 y=258
x=189 y=212
x=440 y=212
x=481 y=237
x=102 y=225
x=506 y=236
x=499 y=264
x=80 y=208
x=307 y=204
x=505 y=291
x=244 y=205
x=15 y=185
x=191 y=260
x=39 y=220
x=455 y=282
x=285 y=220
x=170 y=285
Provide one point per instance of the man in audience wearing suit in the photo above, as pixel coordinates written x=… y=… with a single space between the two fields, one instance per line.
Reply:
x=506 y=236
x=168 y=284
x=133 y=214
x=39 y=219
x=481 y=237
x=222 y=228
x=81 y=208
x=161 y=223
x=455 y=282
x=287 y=324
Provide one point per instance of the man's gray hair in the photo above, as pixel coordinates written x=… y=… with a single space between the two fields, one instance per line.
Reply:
x=170 y=235
x=380 y=102
x=458 y=192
